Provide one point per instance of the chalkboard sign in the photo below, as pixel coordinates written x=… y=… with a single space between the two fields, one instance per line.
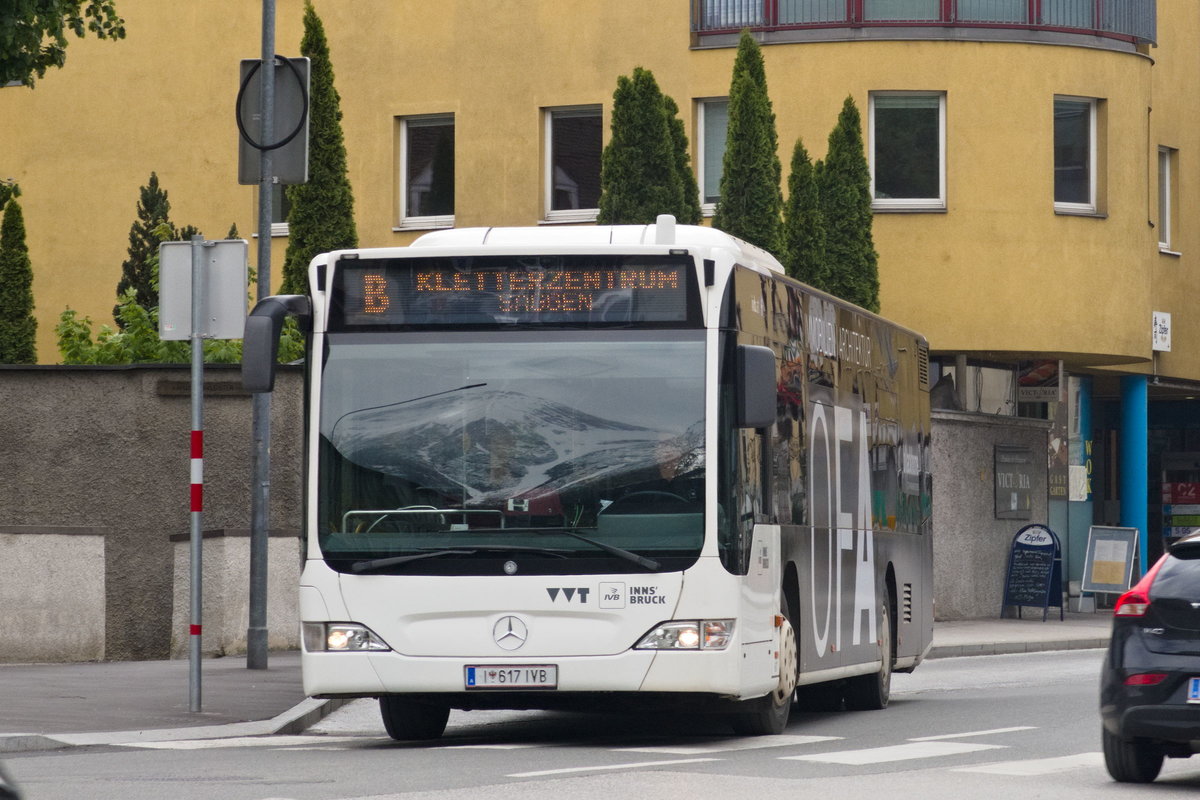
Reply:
x=1034 y=576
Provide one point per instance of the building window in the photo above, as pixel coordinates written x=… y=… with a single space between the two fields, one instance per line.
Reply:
x=573 y=141
x=908 y=151
x=1167 y=205
x=712 y=121
x=993 y=10
x=902 y=10
x=426 y=150
x=281 y=206
x=1075 y=155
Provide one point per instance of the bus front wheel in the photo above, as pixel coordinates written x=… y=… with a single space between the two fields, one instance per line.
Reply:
x=769 y=715
x=406 y=720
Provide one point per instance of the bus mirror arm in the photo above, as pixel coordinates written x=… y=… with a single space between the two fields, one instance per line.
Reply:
x=260 y=345
x=756 y=386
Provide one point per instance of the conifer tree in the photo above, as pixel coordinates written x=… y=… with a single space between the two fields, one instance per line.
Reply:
x=18 y=327
x=845 y=192
x=322 y=212
x=803 y=253
x=751 y=198
x=689 y=209
x=152 y=226
x=639 y=169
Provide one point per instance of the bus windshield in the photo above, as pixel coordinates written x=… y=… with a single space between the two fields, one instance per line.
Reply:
x=550 y=452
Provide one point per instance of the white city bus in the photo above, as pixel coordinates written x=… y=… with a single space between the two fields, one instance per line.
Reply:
x=596 y=467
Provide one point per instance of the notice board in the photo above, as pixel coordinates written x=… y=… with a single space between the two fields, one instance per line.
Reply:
x=1034 y=574
x=1108 y=565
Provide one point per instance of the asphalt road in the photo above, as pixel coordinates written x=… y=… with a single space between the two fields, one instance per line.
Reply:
x=1017 y=726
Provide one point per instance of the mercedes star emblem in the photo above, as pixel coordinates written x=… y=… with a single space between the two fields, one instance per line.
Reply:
x=510 y=633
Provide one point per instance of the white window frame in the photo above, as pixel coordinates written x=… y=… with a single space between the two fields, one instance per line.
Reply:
x=702 y=166
x=1090 y=207
x=1166 y=198
x=404 y=221
x=563 y=215
x=909 y=203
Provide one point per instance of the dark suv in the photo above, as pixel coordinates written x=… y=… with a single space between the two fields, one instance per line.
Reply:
x=1150 y=683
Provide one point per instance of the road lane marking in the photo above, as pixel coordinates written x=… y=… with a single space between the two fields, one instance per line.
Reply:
x=972 y=733
x=755 y=743
x=242 y=741
x=899 y=752
x=1038 y=766
x=607 y=767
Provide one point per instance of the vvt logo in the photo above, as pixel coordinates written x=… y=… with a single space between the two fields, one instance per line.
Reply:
x=569 y=594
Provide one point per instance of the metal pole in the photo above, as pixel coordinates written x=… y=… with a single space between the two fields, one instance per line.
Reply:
x=197 y=469
x=260 y=497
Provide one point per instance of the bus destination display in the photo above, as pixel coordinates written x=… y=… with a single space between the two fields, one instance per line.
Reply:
x=496 y=290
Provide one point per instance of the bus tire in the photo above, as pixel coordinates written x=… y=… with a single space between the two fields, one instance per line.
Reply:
x=872 y=692
x=766 y=716
x=406 y=720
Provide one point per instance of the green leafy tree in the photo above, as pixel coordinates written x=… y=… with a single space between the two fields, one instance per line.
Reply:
x=137 y=341
x=18 y=327
x=322 y=213
x=845 y=192
x=33 y=33
x=140 y=270
x=803 y=253
x=751 y=197
x=639 y=169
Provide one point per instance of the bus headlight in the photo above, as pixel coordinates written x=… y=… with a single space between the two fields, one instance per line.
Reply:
x=340 y=637
x=703 y=634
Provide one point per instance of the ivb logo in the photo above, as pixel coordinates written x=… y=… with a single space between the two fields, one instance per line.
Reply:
x=569 y=594
x=612 y=595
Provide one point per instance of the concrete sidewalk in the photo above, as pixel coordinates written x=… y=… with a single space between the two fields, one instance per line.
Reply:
x=51 y=706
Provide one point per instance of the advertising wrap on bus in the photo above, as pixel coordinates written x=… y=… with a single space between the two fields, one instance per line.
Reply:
x=641 y=467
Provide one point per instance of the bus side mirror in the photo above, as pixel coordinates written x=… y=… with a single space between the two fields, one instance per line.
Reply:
x=260 y=342
x=756 y=386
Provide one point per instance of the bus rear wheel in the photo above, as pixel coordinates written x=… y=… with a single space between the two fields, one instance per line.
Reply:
x=407 y=720
x=872 y=692
x=769 y=715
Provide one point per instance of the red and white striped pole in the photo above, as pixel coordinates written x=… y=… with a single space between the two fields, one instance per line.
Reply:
x=199 y=328
x=197 y=502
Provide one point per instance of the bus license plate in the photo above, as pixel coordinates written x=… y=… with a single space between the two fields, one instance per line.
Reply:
x=1193 y=695
x=507 y=676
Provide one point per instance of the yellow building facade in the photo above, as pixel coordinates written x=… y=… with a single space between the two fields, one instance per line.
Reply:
x=1049 y=217
x=995 y=270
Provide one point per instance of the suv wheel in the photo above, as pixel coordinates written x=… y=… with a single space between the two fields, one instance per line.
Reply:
x=1131 y=760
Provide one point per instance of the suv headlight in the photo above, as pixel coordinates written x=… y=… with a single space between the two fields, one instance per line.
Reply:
x=692 y=634
x=340 y=637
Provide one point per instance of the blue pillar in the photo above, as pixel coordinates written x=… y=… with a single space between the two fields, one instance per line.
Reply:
x=1135 y=460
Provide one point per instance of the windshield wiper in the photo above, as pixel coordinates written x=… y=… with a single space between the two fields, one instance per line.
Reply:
x=611 y=549
x=373 y=564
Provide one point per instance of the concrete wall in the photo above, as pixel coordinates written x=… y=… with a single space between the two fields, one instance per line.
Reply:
x=52 y=594
x=225 y=583
x=107 y=448
x=971 y=546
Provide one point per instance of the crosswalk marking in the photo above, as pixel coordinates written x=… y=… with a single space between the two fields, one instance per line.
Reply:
x=899 y=752
x=609 y=767
x=968 y=734
x=1038 y=766
x=753 y=743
